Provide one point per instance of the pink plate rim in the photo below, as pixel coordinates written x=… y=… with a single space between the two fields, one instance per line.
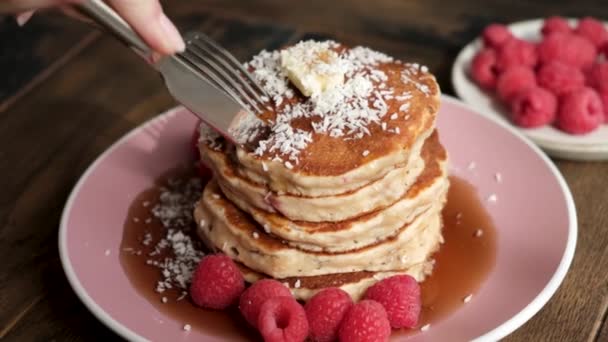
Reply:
x=495 y=334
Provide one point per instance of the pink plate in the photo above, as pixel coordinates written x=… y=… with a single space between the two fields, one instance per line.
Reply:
x=534 y=215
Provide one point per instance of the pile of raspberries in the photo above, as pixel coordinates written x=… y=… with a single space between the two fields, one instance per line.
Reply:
x=561 y=80
x=330 y=315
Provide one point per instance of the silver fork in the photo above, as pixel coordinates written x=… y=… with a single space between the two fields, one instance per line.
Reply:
x=205 y=78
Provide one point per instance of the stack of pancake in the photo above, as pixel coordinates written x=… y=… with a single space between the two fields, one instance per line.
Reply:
x=339 y=189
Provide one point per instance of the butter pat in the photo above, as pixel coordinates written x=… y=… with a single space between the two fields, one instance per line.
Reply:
x=313 y=67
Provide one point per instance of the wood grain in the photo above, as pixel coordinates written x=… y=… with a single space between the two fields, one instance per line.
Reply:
x=29 y=54
x=68 y=93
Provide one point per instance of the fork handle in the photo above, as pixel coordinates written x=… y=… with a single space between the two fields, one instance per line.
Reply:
x=105 y=16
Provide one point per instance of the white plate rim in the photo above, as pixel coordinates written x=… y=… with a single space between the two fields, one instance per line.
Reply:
x=553 y=146
x=495 y=334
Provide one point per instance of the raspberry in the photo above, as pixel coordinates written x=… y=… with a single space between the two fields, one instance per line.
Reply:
x=568 y=48
x=366 y=321
x=593 y=30
x=204 y=172
x=604 y=50
x=400 y=297
x=495 y=35
x=604 y=98
x=534 y=107
x=516 y=52
x=555 y=24
x=580 y=112
x=483 y=68
x=513 y=80
x=325 y=311
x=598 y=76
x=560 y=78
x=216 y=282
x=260 y=291
x=282 y=319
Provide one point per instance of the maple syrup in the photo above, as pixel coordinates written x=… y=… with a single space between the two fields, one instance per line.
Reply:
x=462 y=263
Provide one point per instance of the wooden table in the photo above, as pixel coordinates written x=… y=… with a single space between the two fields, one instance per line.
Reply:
x=67 y=92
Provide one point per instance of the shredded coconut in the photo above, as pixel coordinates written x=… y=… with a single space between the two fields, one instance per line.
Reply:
x=498 y=177
x=147 y=239
x=346 y=111
x=493 y=198
x=467 y=298
x=406 y=77
x=174 y=210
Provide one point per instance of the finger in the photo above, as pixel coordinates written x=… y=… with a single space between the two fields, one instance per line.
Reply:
x=148 y=20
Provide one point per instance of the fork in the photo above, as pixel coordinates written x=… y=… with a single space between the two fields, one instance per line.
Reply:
x=205 y=78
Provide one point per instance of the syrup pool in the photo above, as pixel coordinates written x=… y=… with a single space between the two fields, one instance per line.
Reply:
x=462 y=263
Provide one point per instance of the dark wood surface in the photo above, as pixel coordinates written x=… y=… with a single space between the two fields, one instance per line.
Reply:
x=67 y=92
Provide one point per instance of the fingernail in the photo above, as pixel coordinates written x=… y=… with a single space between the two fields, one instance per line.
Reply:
x=23 y=18
x=172 y=34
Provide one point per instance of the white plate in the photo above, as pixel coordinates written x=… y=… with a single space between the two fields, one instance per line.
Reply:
x=592 y=146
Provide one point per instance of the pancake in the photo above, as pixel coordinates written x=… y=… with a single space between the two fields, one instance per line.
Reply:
x=354 y=283
x=342 y=187
x=222 y=225
x=249 y=195
x=364 y=229
x=344 y=138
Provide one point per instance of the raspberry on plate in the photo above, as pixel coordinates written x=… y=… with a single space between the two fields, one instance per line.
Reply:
x=204 y=172
x=259 y=292
x=495 y=35
x=603 y=50
x=555 y=24
x=282 y=319
x=366 y=321
x=516 y=52
x=604 y=97
x=217 y=282
x=593 y=30
x=560 y=78
x=534 y=107
x=483 y=68
x=568 y=48
x=597 y=77
x=580 y=112
x=514 y=80
x=325 y=311
x=400 y=297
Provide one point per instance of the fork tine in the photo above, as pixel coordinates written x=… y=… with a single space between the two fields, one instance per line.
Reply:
x=236 y=64
x=186 y=57
x=233 y=80
x=204 y=47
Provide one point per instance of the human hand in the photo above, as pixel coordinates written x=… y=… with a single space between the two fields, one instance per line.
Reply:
x=146 y=17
